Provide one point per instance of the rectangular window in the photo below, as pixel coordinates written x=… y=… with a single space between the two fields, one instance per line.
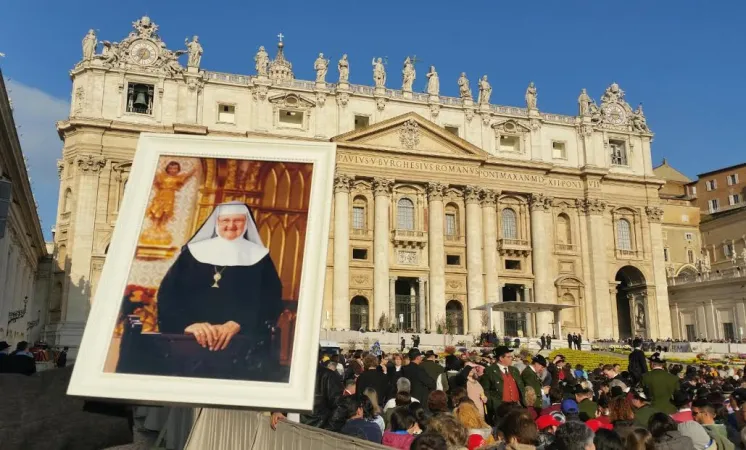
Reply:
x=729 y=331
x=226 y=113
x=509 y=144
x=691 y=335
x=450 y=224
x=453 y=260
x=692 y=190
x=711 y=185
x=714 y=205
x=358 y=218
x=140 y=98
x=688 y=236
x=618 y=153
x=360 y=254
x=452 y=129
x=690 y=256
x=558 y=150
x=734 y=199
x=732 y=179
x=728 y=250
x=513 y=264
x=361 y=122
x=665 y=255
x=291 y=118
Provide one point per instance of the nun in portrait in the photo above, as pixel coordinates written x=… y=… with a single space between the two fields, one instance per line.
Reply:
x=224 y=292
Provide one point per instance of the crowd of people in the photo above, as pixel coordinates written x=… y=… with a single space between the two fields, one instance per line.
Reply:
x=495 y=400
x=23 y=359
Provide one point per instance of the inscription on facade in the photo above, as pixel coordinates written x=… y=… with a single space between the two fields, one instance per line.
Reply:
x=451 y=168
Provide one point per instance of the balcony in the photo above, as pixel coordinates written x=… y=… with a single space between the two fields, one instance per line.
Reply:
x=566 y=248
x=409 y=238
x=626 y=254
x=513 y=247
x=724 y=274
x=453 y=238
x=361 y=233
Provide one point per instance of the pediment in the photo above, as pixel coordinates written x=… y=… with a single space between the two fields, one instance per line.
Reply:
x=291 y=100
x=511 y=126
x=411 y=133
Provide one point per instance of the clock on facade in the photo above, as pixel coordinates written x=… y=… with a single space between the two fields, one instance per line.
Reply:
x=615 y=114
x=143 y=52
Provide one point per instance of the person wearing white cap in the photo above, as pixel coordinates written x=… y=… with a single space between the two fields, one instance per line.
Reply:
x=222 y=284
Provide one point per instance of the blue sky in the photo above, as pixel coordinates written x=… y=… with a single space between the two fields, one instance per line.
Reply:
x=683 y=59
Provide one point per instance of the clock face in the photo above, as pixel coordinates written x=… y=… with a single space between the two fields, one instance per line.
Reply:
x=143 y=53
x=615 y=114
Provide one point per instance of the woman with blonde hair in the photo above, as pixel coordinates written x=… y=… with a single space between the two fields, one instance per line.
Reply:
x=451 y=429
x=639 y=439
x=470 y=417
x=373 y=397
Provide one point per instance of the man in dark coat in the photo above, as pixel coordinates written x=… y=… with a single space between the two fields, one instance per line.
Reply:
x=569 y=340
x=661 y=385
x=637 y=366
x=532 y=376
x=403 y=344
x=543 y=342
x=62 y=358
x=373 y=378
x=421 y=382
x=327 y=392
x=549 y=342
x=578 y=340
x=501 y=382
x=433 y=369
x=4 y=357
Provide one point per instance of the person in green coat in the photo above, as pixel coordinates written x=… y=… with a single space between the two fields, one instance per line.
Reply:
x=641 y=405
x=531 y=376
x=661 y=385
x=501 y=382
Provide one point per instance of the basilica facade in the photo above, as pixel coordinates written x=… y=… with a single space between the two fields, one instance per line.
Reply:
x=441 y=204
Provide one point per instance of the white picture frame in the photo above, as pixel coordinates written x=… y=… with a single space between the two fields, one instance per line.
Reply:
x=89 y=379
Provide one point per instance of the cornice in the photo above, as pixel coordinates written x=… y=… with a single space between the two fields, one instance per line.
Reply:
x=638 y=179
x=401 y=151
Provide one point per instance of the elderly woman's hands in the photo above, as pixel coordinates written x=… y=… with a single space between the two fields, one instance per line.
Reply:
x=214 y=337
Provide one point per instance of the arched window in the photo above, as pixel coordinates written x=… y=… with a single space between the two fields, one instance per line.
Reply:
x=454 y=317
x=509 y=224
x=451 y=222
x=624 y=234
x=67 y=202
x=564 y=234
x=405 y=214
x=359 y=214
x=359 y=313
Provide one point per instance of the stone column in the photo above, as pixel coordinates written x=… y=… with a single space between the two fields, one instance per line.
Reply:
x=594 y=210
x=79 y=252
x=421 y=324
x=662 y=328
x=489 y=230
x=588 y=305
x=393 y=318
x=541 y=251
x=381 y=232
x=436 y=251
x=4 y=264
x=474 y=273
x=341 y=283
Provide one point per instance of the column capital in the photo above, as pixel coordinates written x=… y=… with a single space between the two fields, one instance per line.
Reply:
x=342 y=182
x=472 y=194
x=489 y=197
x=655 y=214
x=382 y=186
x=90 y=163
x=435 y=191
x=592 y=206
x=540 y=202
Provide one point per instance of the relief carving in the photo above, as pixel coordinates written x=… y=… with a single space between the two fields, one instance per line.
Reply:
x=90 y=163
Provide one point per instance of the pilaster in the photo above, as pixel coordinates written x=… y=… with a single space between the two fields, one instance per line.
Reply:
x=381 y=300
x=341 y=283
x=594 y=211
x=474 y=274
x=436 y=251
x=489 y=230
x=663 y=328
x=540 y=231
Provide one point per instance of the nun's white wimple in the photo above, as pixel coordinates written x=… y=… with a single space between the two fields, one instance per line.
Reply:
x=208 y=247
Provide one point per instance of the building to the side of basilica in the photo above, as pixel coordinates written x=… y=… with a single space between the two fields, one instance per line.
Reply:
x=25 y=275
x=441 y=204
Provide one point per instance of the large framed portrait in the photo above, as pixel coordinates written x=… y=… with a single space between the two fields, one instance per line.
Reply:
x=211 y=293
